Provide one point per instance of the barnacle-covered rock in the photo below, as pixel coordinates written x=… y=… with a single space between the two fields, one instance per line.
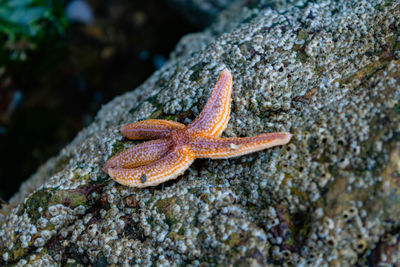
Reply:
x=326 y=71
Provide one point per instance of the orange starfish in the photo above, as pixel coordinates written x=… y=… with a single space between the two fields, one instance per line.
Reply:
x=177 y=146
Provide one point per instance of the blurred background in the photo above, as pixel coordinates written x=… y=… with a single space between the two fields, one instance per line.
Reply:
x=61 y=60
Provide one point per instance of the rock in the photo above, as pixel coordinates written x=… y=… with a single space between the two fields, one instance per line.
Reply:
x=327 y=71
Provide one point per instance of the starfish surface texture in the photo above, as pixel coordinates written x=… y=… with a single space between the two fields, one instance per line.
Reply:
x=176 y=146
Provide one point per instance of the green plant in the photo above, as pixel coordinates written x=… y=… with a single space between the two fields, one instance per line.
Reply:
x=24 y=24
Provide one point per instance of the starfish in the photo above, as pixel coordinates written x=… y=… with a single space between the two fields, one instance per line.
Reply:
x=176 y=146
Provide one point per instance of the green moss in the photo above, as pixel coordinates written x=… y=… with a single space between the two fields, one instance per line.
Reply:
x=71 y=198
x=156 y=114
x=300 y=53
x=170 y=117
x=78 y=177
x=150 y=220
x=17 y=252
x=117 y=147
x=302 y=35
x=396 y=108
x=379 y=7
x=181 y=231
x=165 y=206
x=233 y=240
x=37 y=200
x=44 y=198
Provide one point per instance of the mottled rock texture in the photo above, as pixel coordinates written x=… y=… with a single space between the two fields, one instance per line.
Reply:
x=327 y=71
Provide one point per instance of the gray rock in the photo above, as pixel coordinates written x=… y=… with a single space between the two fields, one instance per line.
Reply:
x=327 y=71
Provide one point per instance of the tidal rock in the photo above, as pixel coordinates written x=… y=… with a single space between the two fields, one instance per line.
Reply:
x=327 y=71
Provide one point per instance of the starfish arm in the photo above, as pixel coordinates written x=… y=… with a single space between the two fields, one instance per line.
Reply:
x=138 y=155
x=215 y=115
x=222 y=148
x=149 y=129
x=168 y=167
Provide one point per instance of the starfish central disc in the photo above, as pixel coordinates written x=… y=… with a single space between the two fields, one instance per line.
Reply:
x=176 y=146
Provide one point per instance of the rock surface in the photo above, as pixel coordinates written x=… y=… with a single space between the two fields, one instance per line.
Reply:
x=327 y=71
